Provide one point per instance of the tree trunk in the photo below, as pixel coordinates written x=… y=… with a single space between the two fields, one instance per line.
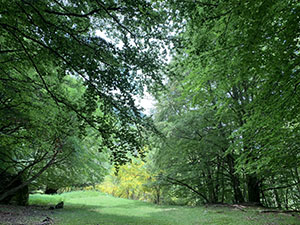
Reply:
x=235 y=182
x=253 y=189
x=14 y=189
x=238 y=196
x=277 y=199
x=22 y=196
x=157 y=194
x=210 y=186
x=50 y=191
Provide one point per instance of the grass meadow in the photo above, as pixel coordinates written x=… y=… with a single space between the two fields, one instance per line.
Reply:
x=91 y=207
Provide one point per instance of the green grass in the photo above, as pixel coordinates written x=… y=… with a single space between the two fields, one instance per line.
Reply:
x=41 y=199
x=89 y=207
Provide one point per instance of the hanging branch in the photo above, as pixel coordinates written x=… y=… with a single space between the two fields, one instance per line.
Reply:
x=175 y=181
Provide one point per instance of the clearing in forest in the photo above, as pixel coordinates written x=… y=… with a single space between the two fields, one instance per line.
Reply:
x=90 y=207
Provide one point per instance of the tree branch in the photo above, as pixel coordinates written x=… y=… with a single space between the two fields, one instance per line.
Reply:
x=114 y=18
x=15 y=189
x=175 y=181
x=281 y=187
x=85 y=15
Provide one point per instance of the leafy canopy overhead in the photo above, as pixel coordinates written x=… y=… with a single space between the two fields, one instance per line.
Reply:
x=61 y=80
x=54 y=39
x=231 y=114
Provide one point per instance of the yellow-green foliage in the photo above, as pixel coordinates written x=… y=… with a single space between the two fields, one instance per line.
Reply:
x=133 y=181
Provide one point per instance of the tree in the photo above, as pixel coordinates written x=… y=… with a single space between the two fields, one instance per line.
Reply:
x=239 y=59
x=85 y=166
x=43 y=44
x=193 y=153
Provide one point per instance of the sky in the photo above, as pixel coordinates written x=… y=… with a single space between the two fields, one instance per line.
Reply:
x=147 y=102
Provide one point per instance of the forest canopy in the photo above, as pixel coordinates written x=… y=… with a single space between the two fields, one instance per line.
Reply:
x=61 y=81
x=230 y=114
x=226 y=126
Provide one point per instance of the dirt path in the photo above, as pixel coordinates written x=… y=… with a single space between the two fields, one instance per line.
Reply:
x=29 y=215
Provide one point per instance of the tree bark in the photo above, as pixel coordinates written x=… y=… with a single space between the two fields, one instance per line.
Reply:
x=235 y=182
x=50 y=191
x=253 y=189
x=8 y=192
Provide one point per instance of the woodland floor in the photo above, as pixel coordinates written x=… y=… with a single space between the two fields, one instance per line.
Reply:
x=97 y=208
x=21 y=215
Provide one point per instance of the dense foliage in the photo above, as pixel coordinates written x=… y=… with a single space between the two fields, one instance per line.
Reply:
x=228 y=117
x=231 y=113
x=135 y=180
x=68 y=67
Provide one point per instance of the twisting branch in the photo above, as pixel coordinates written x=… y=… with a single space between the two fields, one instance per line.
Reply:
x=175 y=181
x=114 y=18
x=53 y=96
x=66 y=31
x=86 y=15
x=281 y=187
x=9 y=51
x=15 y=189
x=24 y=169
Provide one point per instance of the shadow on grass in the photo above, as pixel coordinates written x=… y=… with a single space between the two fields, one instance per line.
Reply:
x=108 y=215
x=142 y=213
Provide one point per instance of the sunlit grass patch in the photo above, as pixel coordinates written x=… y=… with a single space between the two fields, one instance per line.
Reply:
x=43 y=199
x=92 y=207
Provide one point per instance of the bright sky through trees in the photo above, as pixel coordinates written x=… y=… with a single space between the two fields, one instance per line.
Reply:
x=147 y=101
